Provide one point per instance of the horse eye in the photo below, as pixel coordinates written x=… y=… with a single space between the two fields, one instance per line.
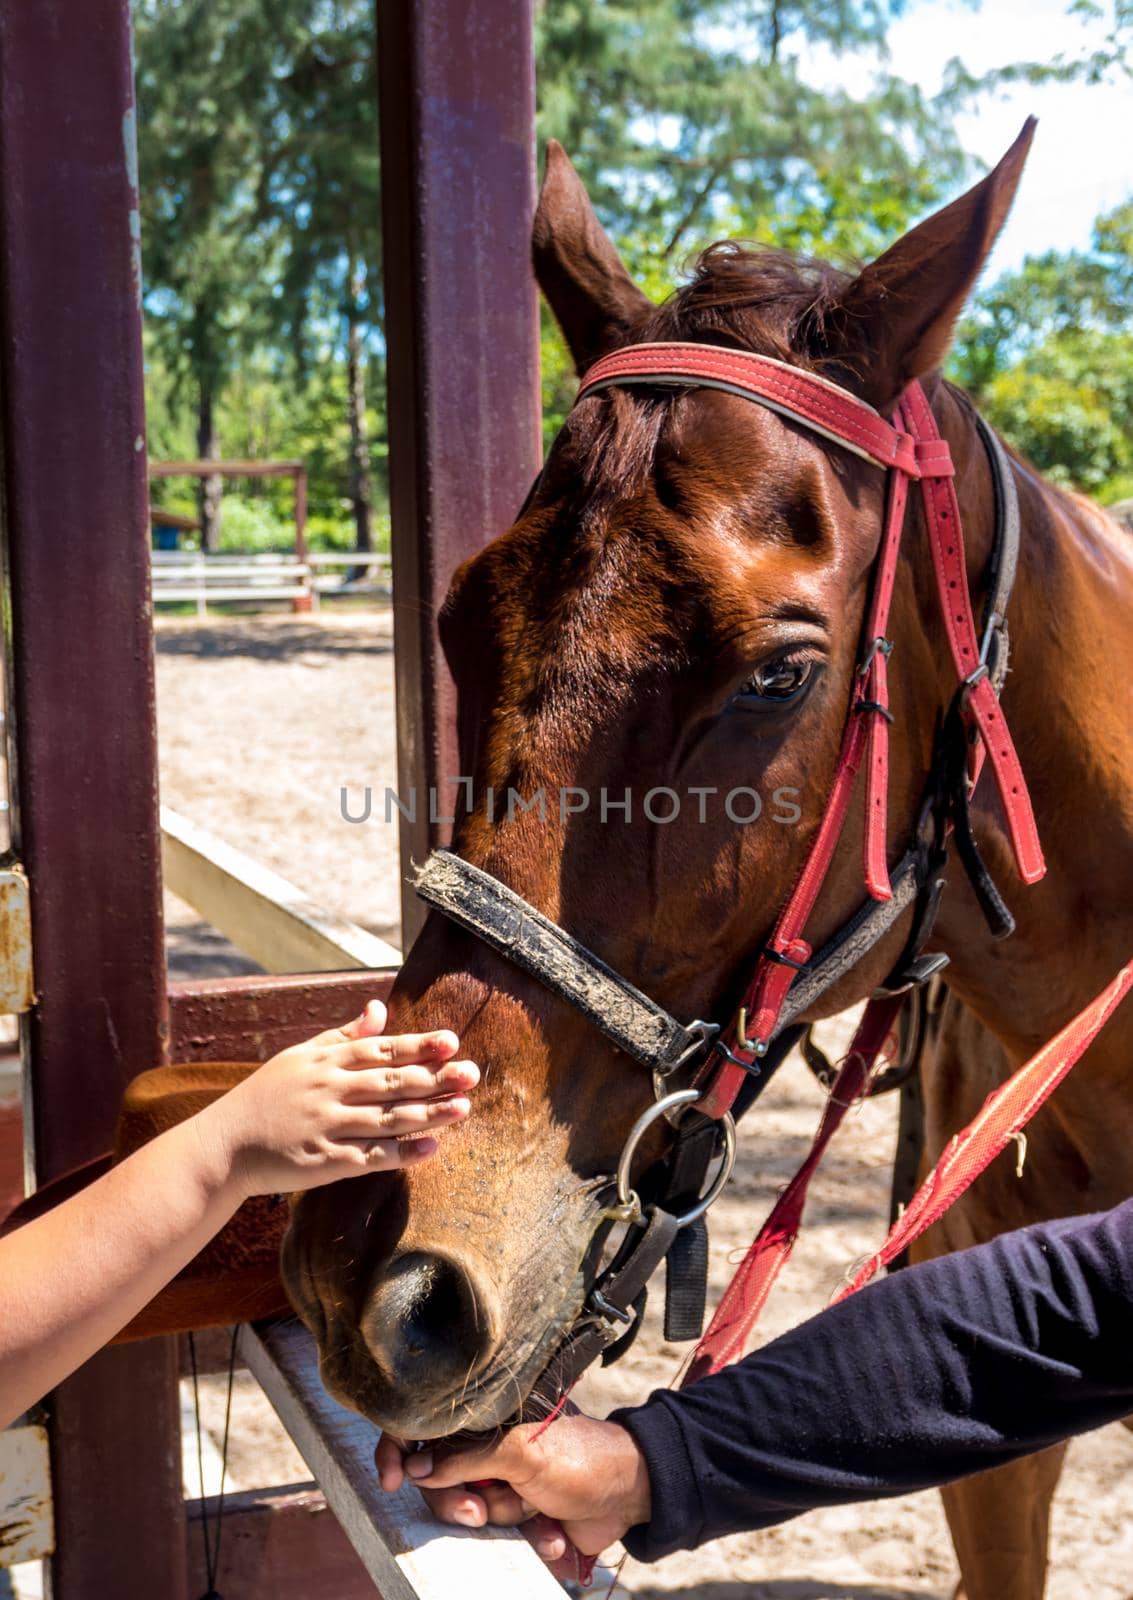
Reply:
x=777 y=680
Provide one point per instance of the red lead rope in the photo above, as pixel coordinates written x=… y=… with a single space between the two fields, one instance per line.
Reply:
x=1001 y=1119
x=1003 y=1116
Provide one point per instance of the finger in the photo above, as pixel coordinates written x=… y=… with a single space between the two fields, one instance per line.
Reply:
x=363 y=1086
x=549 y=1542
x=505 y=1508
x=389 y=1458
x=458 y=1505
x=396 y=1049
x=379 y=1122
x=371 y=1021
x=385 y=1155
x=499 y=1460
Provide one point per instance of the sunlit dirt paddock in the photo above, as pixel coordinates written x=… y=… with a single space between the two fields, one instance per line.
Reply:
x=262 y=721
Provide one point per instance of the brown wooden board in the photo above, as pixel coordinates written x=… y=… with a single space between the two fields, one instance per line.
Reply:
x=457 y=102
x=227 y=469
x=11 y=1156
x=250 y=1019
x=278 y=1544
x=81 y=702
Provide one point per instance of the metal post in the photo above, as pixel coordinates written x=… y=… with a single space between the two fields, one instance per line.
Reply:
x=82 y=698
x=457 y=102
x=300 y=514
x=308 y=601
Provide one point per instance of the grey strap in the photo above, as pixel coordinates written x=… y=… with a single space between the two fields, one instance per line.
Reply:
x=854 y=939
x=486 y=907
x=1004 y=557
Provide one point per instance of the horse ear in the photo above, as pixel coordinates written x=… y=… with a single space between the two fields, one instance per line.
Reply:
x=897 y=316
x=595 y=301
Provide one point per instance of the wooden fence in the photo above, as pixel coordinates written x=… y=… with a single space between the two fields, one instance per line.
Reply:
x=200 y=579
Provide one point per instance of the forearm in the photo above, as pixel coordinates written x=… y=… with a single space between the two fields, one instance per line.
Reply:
x=939 y=1371
x=72 y=1279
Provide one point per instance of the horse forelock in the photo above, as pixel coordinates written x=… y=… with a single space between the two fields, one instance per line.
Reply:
x=767 y=301
x=598 y=584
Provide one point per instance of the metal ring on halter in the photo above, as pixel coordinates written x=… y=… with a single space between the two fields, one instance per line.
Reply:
x=628 y=1201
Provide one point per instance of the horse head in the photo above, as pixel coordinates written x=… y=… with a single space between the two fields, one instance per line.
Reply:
x=654 y=665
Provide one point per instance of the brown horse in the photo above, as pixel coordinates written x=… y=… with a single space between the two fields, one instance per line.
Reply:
x=679 y=606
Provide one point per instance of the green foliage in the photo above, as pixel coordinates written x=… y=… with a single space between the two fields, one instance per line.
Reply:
x=1047 y=353
x=689 y=121
x=260 y=205
x=252 y=529
x=1063 y=425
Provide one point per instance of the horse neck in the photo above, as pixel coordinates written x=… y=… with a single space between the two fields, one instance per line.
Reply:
x=1066 y=703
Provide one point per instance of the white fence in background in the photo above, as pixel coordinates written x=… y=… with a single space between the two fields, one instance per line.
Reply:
x=197 y=578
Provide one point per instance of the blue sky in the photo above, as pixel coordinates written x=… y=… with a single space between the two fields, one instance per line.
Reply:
x=1082 y=160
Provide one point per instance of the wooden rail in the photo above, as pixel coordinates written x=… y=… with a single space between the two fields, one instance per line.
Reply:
x=202 y=578
x=407 y=1553
x=264 y=915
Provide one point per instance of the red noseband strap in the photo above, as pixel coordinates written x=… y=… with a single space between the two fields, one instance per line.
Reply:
x=911 y=449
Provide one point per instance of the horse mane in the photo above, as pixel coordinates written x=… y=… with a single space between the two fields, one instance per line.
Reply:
x=754 y=298
x=740 y=296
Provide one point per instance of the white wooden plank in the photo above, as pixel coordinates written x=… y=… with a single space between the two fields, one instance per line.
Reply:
x=409 y=1555
x=256 y=591
x=209 y=1459
x=347 y=558
x=194 y=559
x=27 y=1527
x=260 y=912
x=260 y=572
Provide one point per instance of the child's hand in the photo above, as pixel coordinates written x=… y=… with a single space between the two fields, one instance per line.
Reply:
x=346 y=1102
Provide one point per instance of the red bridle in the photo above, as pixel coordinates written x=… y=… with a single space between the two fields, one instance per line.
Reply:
x=910 y=449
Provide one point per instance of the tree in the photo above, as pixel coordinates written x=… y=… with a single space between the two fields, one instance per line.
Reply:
x=1047 y=353
x=319 y=194
x=260 y=200
x=692 y=121
x=199 y=63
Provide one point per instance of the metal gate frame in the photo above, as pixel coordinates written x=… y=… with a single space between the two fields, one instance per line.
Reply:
x=458 y=182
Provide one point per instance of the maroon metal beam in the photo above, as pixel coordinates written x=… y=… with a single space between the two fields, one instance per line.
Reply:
x=249 y=1019
x=457 y=103
x=82 y=702
x=11 y=1157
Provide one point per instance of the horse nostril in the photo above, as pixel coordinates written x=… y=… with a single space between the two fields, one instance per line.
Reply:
x=425 y=1321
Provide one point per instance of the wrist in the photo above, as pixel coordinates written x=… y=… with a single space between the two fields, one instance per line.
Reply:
x=216 y=1160
x=635 y=1499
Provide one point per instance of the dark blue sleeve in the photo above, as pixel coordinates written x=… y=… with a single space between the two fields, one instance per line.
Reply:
x=941 y=1370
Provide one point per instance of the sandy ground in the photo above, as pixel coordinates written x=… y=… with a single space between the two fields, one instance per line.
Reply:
x=262 y=721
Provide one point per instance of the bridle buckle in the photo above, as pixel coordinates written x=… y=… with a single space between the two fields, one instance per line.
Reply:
x=877 y=647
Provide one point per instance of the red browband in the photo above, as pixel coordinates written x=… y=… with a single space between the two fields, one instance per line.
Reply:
x=821 y=405
x=911 y=449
